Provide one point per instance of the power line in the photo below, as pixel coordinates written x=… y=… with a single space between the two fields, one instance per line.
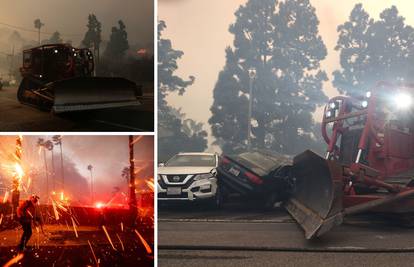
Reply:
x=35 y=31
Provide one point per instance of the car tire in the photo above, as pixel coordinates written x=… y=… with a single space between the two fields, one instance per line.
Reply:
x=217 y=201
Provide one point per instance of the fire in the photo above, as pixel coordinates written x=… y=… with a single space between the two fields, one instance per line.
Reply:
x=144 y=242
x=99 y=205
x=15 y=260
x=18 y=170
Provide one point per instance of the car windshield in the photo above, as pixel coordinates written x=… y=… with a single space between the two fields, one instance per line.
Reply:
x=192 y=160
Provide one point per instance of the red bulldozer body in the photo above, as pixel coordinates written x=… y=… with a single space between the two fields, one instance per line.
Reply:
x=369 y=164
x=59 y=77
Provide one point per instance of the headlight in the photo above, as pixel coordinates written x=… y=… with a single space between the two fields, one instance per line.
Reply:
x=368 y=94
x=403 y=100
x=329 y=114
x=364 y=104
x=203 y=176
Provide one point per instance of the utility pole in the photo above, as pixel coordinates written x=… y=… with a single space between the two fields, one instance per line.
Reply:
x=132 y=196
x=252 y=76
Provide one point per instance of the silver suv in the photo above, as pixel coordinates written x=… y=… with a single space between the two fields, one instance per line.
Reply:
x=189 y=177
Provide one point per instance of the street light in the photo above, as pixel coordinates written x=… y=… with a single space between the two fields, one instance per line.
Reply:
x=252 y=76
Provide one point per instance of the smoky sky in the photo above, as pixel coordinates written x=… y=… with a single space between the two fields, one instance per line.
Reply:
x=69 y=17
x=200 y=30
x=108 y=155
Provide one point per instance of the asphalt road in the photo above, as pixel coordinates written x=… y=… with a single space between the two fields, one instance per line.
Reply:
x=17 y=117
x=239 y=235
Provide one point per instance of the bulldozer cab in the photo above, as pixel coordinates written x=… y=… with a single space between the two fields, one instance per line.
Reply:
x=48 y=62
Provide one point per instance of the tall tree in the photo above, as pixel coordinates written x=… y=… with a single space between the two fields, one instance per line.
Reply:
x=93 y=36
x=57 y=141
x=176 y=133
x=118 y=42
x=167 y=64
x=55 y=38
x=371 y=51
x=280 y=43
x=38 y=25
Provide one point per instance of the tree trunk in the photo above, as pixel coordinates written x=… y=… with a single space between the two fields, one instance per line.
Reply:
x=47 y=175
x=132 y=196
x=61 y=165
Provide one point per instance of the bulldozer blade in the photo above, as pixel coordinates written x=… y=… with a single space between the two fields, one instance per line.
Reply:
x=316 y=201
x=86 y=93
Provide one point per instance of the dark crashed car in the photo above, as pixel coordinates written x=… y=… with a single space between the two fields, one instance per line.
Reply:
x=258 y=175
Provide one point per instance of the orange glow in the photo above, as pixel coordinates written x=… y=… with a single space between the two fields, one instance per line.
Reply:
x=99 y=205
x=19 y=170
x=6 y=196
x=14 y=260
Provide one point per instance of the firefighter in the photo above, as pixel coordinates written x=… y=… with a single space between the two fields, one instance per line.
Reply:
x=26 y=213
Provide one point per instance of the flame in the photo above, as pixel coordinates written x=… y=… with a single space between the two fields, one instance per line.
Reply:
x=109 y=238
x=14 y=260
x=6 y=196
x=74 y=227
x=93 y=253
x=144 y=242
x=150 y=184
x=120 y=241
x=18 y=171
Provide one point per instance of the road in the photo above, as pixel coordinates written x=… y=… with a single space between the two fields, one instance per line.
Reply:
x=17 y=117
x=240 y=236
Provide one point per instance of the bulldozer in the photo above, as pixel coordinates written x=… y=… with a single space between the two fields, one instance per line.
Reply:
x=369 y=161
x=59 y=78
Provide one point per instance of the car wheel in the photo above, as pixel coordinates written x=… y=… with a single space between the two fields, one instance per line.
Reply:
x=217 y=201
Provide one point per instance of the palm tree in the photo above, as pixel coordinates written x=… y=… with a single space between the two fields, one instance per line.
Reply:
x=57 y=139
x=90 y=167
x=49 y=146
x=38 y=25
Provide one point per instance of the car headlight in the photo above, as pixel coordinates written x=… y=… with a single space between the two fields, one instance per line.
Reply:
x=203 y=176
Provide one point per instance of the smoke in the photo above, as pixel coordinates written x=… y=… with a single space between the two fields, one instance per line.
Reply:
x=108 y=155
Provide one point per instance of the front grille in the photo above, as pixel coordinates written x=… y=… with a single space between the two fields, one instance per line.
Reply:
x=164 y=186
x=176 y=178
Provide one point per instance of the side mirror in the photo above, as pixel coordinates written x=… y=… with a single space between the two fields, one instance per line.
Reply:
x=161 y=164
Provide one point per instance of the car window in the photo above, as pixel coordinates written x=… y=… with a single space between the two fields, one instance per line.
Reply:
x=192 y=160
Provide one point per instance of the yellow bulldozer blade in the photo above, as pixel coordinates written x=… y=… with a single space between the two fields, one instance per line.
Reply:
x=86 y=93
x=316 y=202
